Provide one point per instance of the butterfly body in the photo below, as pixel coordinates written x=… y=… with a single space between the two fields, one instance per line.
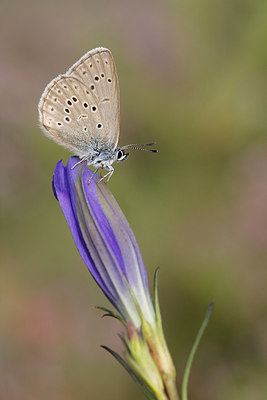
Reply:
x=100 y=159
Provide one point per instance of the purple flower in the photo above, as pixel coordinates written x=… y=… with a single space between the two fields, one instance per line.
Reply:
x=105 y=240
x=110 y=251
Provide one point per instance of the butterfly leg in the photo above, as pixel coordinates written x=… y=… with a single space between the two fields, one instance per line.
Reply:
x=91 y=177
x=101 y=170
x=79 y=162
x=108 y=175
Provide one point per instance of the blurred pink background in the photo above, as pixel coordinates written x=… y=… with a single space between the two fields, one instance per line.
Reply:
x=193 y=79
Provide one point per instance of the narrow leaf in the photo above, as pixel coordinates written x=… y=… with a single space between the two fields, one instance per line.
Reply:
x=193 y=352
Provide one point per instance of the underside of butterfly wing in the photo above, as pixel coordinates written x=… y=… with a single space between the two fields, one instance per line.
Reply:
x=97 y=71
x=80 y=109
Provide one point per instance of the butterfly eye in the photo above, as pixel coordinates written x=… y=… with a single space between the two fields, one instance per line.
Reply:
x=120 y=154
x=93 y=108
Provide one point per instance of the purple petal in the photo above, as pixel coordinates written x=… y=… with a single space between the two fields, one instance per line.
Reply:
x=63 y=187
x=104 y=239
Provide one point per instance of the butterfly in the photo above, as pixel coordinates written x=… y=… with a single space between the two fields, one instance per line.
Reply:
x=80 y=110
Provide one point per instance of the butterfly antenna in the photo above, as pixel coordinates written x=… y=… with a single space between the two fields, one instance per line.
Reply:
x=134 y=146
x=137 y=144
x=140 y=148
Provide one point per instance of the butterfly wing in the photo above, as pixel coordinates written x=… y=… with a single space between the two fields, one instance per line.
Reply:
x=80 y=109
x=97 y=70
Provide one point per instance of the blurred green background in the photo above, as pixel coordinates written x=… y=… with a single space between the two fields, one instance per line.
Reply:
x=193 y=78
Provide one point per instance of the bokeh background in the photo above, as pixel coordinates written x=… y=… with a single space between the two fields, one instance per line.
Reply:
x=193 y=78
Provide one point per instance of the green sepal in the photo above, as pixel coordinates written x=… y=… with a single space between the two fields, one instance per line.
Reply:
x=148 y=392
x=112 y=314
x=156 y=299
x=124 y=341
x=164 y=361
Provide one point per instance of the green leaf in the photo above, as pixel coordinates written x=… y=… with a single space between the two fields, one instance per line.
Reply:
x=193 y=352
